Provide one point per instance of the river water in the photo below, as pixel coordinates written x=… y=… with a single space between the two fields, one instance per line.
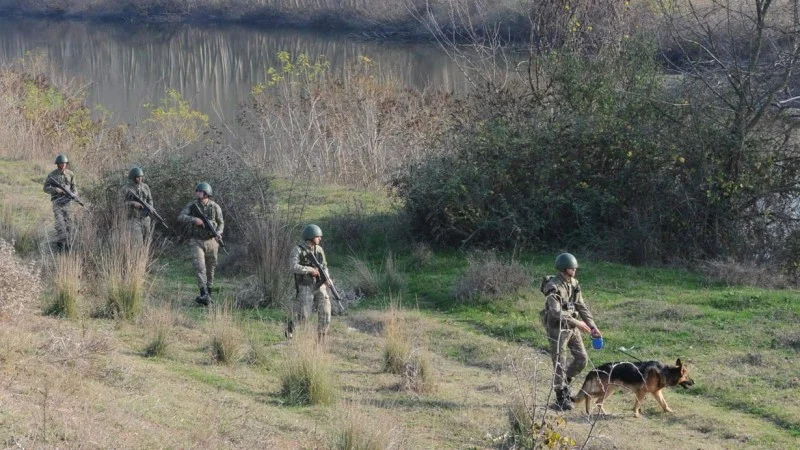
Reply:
x=214 y=67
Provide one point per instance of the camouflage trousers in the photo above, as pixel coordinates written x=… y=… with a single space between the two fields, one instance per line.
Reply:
x=63 y=216
x=562 y=340
x=140 y=229
x=307 y=295
x=204 y=259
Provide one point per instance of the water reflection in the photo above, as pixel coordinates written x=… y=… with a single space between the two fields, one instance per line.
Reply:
x=214 y=67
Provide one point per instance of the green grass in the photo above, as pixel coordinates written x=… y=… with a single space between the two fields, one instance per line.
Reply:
x=663 y=314
x=739 y=342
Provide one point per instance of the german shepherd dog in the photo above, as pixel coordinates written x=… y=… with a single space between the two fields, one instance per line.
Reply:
x=640 y=377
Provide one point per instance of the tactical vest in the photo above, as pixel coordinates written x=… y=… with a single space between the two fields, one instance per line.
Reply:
x=304 y=259
x=567 y=305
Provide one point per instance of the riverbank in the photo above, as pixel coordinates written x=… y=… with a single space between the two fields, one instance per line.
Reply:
x=385 y=19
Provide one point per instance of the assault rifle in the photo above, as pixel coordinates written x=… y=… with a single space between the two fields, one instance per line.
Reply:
x=149 y=208
x=210 y=227
x=325 y=277
x=66 y=191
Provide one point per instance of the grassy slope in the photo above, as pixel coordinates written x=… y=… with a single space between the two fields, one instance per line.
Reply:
x=70 y=383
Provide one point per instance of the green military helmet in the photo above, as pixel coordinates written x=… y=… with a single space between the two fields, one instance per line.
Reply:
x=566 y=261
x=135 y=172
x=205 y=187
x=311 y=231
x=61 y=158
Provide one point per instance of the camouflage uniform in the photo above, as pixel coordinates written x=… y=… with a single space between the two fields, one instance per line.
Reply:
x=138 y=218
x=309 y=290
x=564 y=309
x=62 y=204
x=202 y=245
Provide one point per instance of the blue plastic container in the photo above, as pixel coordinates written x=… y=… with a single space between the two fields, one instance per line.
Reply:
x=597 y=342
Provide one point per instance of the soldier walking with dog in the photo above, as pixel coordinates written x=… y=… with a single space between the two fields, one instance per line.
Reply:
x=60 y=184
x=564 y=316
x=307 y=282
x=205 y=237
x=137 y=213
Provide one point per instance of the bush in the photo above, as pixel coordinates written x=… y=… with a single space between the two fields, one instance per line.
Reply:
x=733 y=273
x=607 y=153
x=306 y=377
x=488 y=277
x=353 y=126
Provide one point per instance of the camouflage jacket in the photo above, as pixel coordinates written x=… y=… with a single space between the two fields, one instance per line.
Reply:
x=564 y=306
x=301 y=265
x=67 y=178
x=143 y=191
x=210 y=210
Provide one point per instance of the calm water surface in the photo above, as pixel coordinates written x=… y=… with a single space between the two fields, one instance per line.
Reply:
x=126 y=66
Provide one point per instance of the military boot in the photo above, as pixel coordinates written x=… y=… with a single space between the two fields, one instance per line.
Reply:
x=289 y=332
x=203 y=299
x=563 y=402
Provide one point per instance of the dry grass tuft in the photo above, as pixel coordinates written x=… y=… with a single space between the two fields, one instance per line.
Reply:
x=67 y=274
x=421 y=255
x=160 y=321
x=20 y=285
x=488 y=277
x=361 y=432
x=124 y=266
x=306 y=377
x=369 y=282
x=418 y=373
x=397 y=344
x=270 y=243
x=227 y=341
x=733 y=273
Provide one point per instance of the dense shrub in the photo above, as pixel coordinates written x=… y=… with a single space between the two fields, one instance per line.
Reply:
x=609 y=154
x=242 y=192
x=487 y=277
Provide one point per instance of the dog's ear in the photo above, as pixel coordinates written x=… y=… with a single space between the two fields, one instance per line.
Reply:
x=679 y=363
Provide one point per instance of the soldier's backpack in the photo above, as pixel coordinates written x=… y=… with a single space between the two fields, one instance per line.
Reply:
x=543 y=313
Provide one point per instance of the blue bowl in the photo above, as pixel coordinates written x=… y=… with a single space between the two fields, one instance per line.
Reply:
x=597 y=342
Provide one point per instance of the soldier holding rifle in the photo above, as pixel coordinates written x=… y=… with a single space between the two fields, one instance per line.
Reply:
x=136 y=197
x=204 y=225
x=60 y=184
x=308 y=263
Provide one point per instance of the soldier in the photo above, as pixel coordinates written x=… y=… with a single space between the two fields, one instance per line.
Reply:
x=138 y=217
x=306 y=281
x=62 y=205
x=564 y=309
x=203 y=246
